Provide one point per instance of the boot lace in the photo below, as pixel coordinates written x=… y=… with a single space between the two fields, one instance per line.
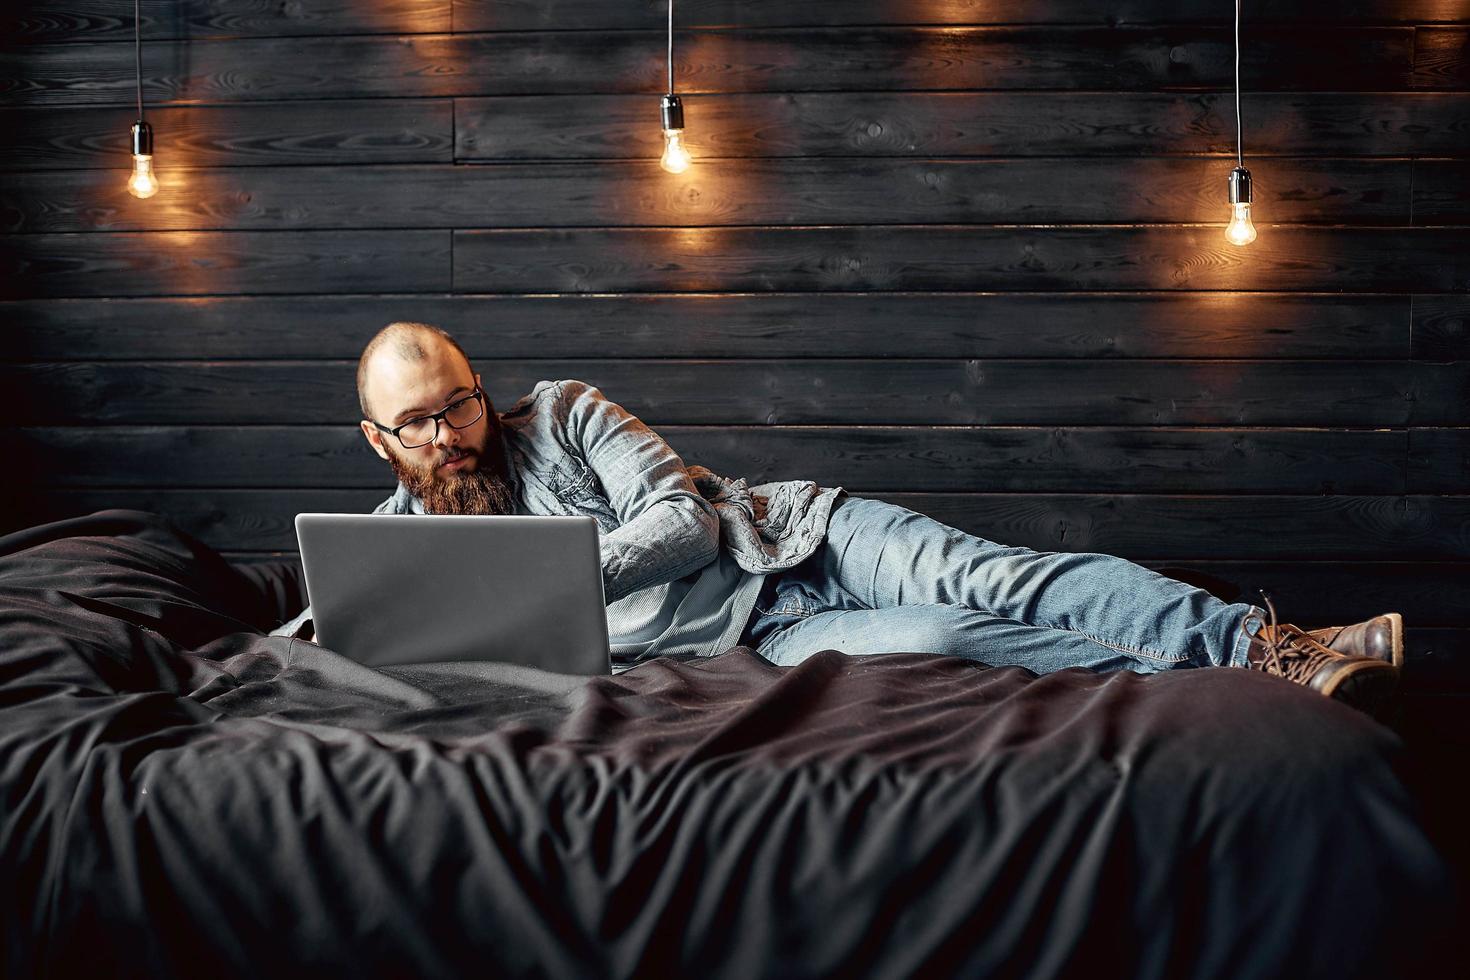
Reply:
x=1289 y=651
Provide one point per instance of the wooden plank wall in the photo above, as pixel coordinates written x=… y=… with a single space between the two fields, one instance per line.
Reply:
x=963 y=255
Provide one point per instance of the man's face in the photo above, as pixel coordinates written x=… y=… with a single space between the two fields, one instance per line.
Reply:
x=462 y=471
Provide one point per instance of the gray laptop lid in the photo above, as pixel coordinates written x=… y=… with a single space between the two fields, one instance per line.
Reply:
x=394 y=589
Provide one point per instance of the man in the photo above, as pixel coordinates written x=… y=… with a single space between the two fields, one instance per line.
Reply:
x=694 y=563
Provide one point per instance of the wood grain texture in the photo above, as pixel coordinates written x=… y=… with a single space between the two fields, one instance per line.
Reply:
x=491 y=15
x=23 y=21
x=1442 y=57
x=1442 y=192
x=192 y=263
x=969 y=258
x=1139 y=527
x=757 y=192
x=967 y=325
x=771 y=392
x=1439 y=459
x=862 y=459
x=1206 y=527
x=351 y=131
x=31 y=21
x=1319 y=593
x=990 y=123
x=1441 y=328
x=758 y=60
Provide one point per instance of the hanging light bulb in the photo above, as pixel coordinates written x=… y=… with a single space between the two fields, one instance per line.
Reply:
x=676 y=155
x=142 y=183
x=1239 y=231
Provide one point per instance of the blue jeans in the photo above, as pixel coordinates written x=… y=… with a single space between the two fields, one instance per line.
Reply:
x=890 y=580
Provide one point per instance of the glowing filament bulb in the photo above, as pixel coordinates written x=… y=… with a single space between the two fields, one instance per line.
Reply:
x=142 y=183
x=676 y=157
x=1240 y=231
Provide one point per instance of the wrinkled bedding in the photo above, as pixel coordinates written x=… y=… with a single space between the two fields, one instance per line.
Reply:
x=186 y=796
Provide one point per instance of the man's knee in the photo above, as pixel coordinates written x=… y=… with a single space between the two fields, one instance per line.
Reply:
x=940 y=632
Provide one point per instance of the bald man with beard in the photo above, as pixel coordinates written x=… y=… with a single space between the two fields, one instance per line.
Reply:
x=694 y=563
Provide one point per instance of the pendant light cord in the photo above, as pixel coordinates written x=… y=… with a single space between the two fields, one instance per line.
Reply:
x=1239 y=152
x=138 y=55
x=671 y=46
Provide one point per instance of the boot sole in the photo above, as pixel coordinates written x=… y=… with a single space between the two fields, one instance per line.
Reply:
x=1398 y=638
x=1365 y=685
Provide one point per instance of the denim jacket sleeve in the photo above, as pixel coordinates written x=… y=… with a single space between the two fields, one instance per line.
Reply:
x=668 y=529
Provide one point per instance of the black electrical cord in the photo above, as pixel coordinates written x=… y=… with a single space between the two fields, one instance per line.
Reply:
x=1239 y=152
x=138 y=55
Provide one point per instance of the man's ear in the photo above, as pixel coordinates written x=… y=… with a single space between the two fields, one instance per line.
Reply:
x=374 y=438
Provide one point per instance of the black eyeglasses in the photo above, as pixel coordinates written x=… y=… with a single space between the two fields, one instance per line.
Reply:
x=424 y=429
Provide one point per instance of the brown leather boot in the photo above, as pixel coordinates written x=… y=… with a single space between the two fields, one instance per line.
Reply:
x=1381 y=637
x=1284 y=650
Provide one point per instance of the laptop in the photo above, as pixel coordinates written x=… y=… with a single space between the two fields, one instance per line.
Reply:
x=398 y=589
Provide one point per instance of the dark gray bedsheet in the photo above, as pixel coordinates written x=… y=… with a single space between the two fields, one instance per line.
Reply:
x=183 y=796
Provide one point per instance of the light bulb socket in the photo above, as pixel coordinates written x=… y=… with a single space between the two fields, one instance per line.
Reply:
x=1240 y=186
x=672 y=111
x=142 y=139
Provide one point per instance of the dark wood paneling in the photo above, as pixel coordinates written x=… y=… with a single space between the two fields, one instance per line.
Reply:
x=1442 y=327
x=233 y=520
x=767 y=192
x=1320 y=593
x=1147 y=527
x=503 y=15
x=193 y=263
x=238 y=456
x=29 y=21
x=1091 y=325
x=1442 y=192
x=862 y=459
x=758 y=60
x=1203 y=527
x=938 y=392
x=926 y=124
x=108 y=20
x=341 y=132
x=1436 y=661
x=1439 y=461
x=902 y=258
x=1442 y=57
x=890 y=459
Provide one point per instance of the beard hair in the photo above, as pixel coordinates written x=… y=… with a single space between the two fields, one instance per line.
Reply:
x=476 y=491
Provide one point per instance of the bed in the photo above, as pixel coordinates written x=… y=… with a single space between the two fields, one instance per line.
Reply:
x=187 y=796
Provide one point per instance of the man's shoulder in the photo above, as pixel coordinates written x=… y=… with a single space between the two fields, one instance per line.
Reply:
x=549 y=392
x=559 y=404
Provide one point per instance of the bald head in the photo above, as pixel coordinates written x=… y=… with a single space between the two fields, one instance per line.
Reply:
x=407 y=342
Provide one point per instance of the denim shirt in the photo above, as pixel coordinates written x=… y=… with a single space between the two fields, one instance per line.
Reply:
x=571 y=451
